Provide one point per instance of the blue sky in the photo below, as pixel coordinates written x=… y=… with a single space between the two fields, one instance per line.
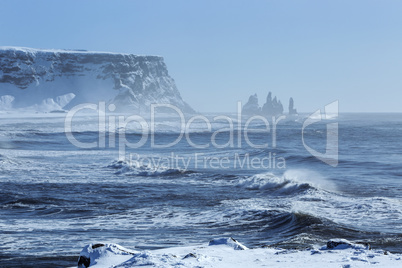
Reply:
x=221 y=52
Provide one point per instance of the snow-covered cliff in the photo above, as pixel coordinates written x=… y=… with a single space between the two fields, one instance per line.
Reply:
x=59 y=79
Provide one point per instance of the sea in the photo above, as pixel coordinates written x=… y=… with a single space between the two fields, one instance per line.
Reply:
x=149 y=183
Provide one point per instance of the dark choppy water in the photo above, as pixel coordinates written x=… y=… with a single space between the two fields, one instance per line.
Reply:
x=55 y=198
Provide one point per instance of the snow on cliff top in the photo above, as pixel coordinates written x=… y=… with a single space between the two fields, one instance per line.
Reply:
x=72 y=51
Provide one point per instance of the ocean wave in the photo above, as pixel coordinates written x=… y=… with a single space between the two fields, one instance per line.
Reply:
x=278 y=222
x=269 y=181
x=5 y=161
x=134 y=169
x=291 y=182
x=301 y=158
x=275 y=221
x=365 y=213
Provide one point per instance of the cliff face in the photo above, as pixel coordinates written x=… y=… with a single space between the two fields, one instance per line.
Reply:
x=131 y=82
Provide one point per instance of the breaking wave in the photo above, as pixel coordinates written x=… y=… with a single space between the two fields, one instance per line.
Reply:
x=134 y=169
x=291 y=182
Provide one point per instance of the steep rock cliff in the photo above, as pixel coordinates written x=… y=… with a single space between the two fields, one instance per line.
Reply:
x=34 y=77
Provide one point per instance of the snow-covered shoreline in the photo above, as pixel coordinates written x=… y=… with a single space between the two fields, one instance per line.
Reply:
x=227 y=252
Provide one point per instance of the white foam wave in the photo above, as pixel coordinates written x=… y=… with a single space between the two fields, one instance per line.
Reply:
x=134 y=168
x=368 y=213
x=291 y=181
x=6 y=161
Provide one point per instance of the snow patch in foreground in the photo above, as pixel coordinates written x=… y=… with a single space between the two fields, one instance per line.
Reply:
x=224 y=252
x=104 y=255
x=228 y=242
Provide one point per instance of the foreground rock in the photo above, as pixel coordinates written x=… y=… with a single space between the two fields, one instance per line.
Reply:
x=224 y=252
x=227 y=242
x=104 y=255
x=344 y=244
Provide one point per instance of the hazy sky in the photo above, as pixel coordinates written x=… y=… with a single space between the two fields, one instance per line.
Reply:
x=221 y=52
